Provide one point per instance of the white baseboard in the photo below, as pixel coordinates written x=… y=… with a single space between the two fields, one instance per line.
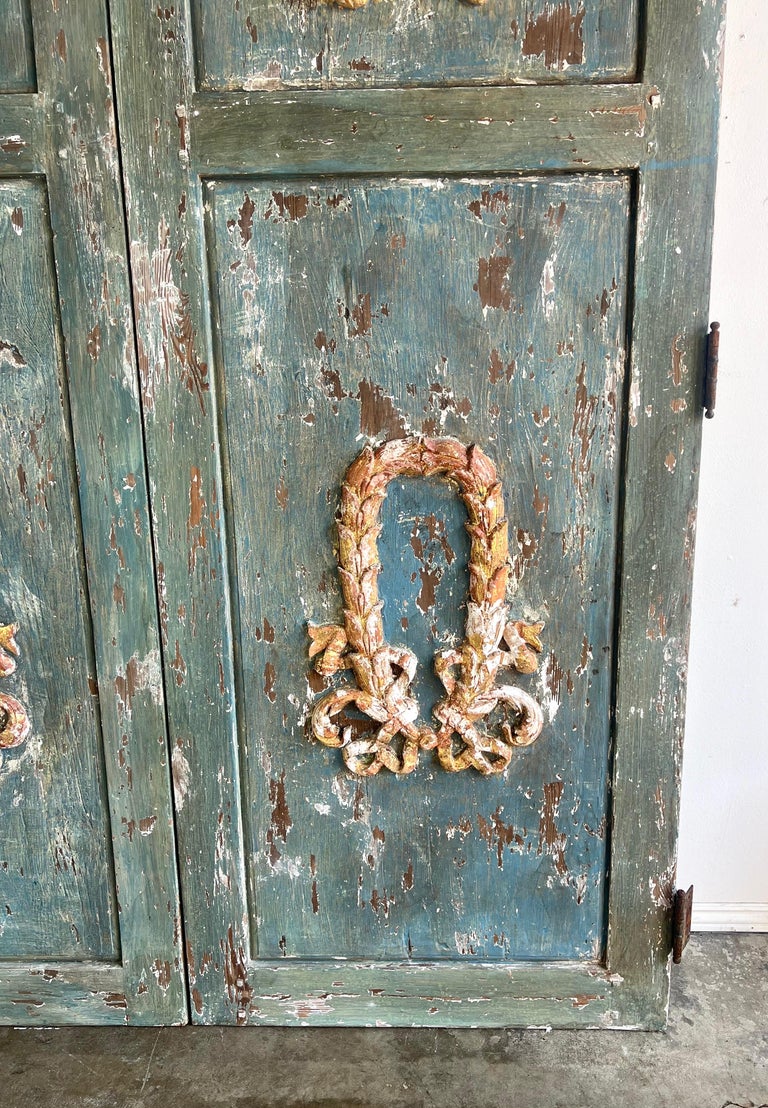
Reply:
x=729 y=917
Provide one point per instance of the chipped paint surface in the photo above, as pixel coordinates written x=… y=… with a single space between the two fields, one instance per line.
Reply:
x=360 y=44
x=382 y=334
x=539 y=384
x=57 y=874
x=96 y=904
x=557 y=34
x=164 y=312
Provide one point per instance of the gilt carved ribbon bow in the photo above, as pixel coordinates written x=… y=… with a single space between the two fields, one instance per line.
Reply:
x=383 y=673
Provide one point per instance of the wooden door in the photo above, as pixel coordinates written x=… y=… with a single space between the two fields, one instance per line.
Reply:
x=457 y=254
x=89 y=916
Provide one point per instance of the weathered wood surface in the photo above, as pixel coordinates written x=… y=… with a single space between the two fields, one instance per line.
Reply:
x=420 y=130
x=164 y=209
x=21 y=128
x=56 y=869
x=512 y=337
x=672 y=260
x=205 y=422
x=267 y=43
x=328 y=993
x=17 y=58
x=49 y=993
x=84 y=576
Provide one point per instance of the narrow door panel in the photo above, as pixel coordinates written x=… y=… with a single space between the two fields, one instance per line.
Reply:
x=57 y=877
x=251 y=44
x=494 y=312
x=17 y=63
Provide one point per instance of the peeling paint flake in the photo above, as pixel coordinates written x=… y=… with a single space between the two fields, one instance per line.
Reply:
x=557 y=33
x=140 y=675
x=11 y=355
x=285 y=207
x=182 y=777
x=551 y=840
x=493 y=282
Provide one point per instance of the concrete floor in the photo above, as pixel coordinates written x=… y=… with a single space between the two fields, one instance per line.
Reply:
x=714 y=1054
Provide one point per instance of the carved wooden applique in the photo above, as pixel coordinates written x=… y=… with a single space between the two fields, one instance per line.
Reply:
x=383 y=673
x=14 y=721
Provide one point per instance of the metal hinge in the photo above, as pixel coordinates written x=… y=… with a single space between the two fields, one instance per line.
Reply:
x=710 y=373
x=682 y=907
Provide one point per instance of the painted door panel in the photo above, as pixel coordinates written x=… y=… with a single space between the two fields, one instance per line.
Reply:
x=529 y=364
x=58 y=878
x=411 y=42
x=89 y=916
x=320 y=268
x=17 y=64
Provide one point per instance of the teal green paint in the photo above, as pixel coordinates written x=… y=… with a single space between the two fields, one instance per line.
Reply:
x=17 y=60
x=426 y=358
x=218 y=709
x=270 y=44
x=56 y=870
x=406 y=131
x=87 y=801
x=20 y=129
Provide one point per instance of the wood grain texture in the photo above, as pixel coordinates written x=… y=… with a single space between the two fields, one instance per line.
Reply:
x=181 y=427
x=244 y=44
x=675 y=200
x=465 y=130
x=99 y=394
x=327 y=993
x=49 y=993
x=21 y=127
x=17 y=57
x=512 y=338
x=57 y=876
x=307 y=359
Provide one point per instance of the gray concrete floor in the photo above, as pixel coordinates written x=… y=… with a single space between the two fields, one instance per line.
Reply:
x=714 y=1054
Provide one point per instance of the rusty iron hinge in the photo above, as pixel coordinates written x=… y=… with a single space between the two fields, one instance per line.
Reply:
x=682 y=907
x=710 y=373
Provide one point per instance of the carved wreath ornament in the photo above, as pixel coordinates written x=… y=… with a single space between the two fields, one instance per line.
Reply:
x=14 y=722
x=383 y=673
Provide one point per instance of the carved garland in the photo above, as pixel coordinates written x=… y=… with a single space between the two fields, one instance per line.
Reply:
x=14 y=721
x=384 y=673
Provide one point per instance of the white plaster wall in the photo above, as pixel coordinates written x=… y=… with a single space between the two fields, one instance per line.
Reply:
x=724 y=819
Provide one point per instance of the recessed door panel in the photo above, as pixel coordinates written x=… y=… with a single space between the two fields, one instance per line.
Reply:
x=17 y=62
x=56 y=874
x=492 y=312
x=273 y=43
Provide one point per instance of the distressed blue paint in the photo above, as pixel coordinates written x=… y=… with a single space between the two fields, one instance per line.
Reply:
x=324 y=338
x=268 y=43
x=17 y=62
x=56 y=874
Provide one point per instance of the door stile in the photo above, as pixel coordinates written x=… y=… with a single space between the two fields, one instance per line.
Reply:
x=676 y=181
x=163 y=204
